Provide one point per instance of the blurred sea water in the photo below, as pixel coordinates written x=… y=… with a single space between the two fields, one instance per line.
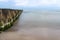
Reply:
x=34 y=25
x=47 y=18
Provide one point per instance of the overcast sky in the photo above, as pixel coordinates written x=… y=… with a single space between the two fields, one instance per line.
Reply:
x=29 y=3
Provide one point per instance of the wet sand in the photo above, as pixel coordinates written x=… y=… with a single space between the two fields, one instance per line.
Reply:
x=31 y=33
x=32 y=30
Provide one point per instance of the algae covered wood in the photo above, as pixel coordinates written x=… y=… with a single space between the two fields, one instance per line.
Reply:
x=8 y=17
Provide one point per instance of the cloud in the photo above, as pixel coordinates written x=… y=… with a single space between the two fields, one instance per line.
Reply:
x=36 y=2
x=21 y=2
x=4 y=0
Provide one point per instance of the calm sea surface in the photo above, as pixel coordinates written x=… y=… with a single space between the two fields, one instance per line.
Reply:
x=42 y=25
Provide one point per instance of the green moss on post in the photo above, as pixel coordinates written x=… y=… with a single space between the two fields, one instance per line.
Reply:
x=0 y=26
x=0 y=29
x=4 y=27
x=9 y=25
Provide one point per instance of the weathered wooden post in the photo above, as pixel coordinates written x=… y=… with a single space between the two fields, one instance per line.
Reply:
x=8 y=17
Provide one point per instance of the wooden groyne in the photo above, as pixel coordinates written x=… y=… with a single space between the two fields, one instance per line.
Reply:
x=8 y=17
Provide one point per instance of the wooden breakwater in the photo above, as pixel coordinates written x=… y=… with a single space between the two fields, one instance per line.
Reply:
x=8 y=17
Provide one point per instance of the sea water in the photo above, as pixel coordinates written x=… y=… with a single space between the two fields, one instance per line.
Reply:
x=34 y=25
